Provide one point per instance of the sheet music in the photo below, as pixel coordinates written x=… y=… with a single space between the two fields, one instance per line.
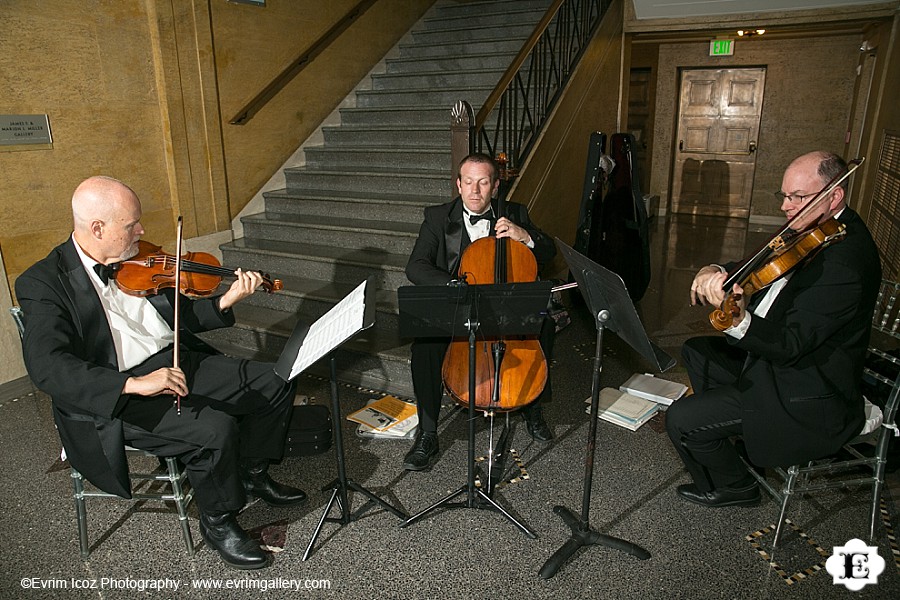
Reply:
x=332 y=329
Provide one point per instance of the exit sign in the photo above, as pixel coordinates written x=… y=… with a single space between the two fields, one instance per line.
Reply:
x=721 y=48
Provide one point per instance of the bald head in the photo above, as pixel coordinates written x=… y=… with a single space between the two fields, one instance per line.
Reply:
x=106 y=217
x=805 y=177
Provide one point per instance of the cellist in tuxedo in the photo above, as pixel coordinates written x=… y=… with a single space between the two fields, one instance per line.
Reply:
x=446 y=232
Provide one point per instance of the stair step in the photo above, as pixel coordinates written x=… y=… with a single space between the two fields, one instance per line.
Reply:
x=380 y=136
x=316 y=261
x=472 y=33
x=406 y=209
x=490 y=15
x=416 y=49
x=421 y=159
x=475 y=95
x=350 y=234
x=414 y=116
x=309 y=299
x=469 y=9
x=432 y=183
x=438 y=79
x=418 y=64
x=376 y=358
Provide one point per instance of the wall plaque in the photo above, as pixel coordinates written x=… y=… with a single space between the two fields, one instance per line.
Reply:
x=29 y=131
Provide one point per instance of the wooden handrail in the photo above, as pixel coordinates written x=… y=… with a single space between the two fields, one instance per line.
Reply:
x=515 y=65
x=299 y=63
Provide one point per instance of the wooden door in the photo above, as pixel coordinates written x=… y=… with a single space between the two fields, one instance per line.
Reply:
x=717 y=133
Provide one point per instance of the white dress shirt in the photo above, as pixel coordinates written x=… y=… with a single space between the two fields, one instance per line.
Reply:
x=483 y=227
x=138 y=330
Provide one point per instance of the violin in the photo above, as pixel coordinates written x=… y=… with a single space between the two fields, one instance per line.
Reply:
x=523 y=367
x=784 y=252
x=800 y=249
x=152 y=270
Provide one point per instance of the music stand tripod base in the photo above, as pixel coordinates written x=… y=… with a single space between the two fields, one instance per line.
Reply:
x=609 y=302
x=341 y=486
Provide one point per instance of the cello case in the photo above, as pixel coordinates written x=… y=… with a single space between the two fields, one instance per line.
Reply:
x=595 y=174
x=620 y=238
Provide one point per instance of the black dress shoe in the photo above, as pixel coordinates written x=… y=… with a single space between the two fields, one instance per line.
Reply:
x=538 y=428
x=225 y=536
x=748 y=496
x=423 y=452
x=262 y=486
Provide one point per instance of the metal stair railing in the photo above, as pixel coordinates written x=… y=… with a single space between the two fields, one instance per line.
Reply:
x=534 y=81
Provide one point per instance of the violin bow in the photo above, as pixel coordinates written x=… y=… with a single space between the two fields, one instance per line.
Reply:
x=177 y=321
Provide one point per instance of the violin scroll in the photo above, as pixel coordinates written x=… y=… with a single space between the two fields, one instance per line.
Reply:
x=720 y=319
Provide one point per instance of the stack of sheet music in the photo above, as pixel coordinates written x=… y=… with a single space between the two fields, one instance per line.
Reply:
x=623 y=409
x=661 y=391
x=386 y=417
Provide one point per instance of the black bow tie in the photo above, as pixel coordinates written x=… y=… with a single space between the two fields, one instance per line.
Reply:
x=106 y=272
x=489 y=216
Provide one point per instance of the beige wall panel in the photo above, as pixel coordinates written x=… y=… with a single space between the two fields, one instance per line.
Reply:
x=12 y=366
x=88 y=66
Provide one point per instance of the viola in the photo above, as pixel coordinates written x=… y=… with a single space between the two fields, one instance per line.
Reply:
x=784 y=252
x=152 y=270
x=523 y=366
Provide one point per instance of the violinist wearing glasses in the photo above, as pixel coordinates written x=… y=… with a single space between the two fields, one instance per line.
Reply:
x=786 y=375
x=106 y=360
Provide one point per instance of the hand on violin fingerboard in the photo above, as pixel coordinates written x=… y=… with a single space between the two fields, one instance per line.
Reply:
x=246 y=283
x=706 y=288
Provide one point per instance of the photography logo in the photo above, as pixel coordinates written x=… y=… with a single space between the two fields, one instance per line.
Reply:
x=855 y=565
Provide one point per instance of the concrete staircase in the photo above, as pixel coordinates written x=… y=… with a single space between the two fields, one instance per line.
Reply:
x=354 y=209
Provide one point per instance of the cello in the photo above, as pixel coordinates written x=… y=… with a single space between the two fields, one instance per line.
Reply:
x=522 y=373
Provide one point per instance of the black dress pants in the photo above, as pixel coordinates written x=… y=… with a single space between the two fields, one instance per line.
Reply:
x=427 y=359
x=235 y=409
x=700 y=425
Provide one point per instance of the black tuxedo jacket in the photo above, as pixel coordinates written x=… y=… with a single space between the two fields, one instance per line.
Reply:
x=70 y=355
x=800 y=387
x=442 y=239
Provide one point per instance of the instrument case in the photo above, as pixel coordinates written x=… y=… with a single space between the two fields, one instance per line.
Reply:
x=309 y=431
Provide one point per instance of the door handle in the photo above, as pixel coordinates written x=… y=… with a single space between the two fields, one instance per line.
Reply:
x=681 y=145
x=752 y=146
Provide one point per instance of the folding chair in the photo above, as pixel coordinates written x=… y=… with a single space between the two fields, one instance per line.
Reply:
x=172 y=478
x=883 y=367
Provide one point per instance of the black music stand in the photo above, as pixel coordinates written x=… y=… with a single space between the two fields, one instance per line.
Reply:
x=609 y=302
x=460 y=310
x=306 y=345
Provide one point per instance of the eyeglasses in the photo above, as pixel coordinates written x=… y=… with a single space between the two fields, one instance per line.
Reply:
x=793 y=198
